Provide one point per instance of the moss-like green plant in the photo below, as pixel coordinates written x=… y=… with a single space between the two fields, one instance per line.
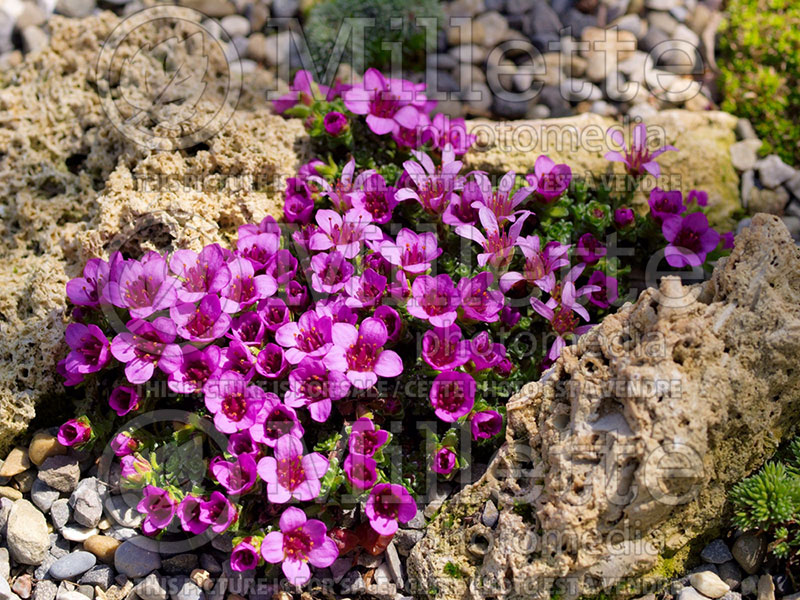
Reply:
x=760 y=66
x=769 y=501
x=394 y=21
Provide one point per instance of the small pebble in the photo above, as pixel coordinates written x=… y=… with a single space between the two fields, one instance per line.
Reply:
x=76 y=533
x=709 y=584
x=15 y=463
x=45 y=590
x=490 y=514
x=151 y=588
x=43 y=446
x=43 y=495
x=716 y=552
x=73 y=565
x=103 y=547
x=61 y=473
x=101 y=576
x=135 y=560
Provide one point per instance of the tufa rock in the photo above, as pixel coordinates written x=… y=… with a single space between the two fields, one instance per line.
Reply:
x=625 y=450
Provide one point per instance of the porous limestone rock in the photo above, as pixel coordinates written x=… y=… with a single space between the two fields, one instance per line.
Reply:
x=73 y=186
x=626 y=449
x=581 y=142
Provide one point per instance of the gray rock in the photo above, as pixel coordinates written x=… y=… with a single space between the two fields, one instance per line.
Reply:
x=749 y=585
x=45 y=590
x=135 y=560
x=654 y=38
x=43 y=570
x=75 y=8
x=716 y=552
x=210 y=564
x=437 y=497
x=121 y=533
x=793 y=225
x=77 y=533
x=86 y=590
x=662 y=4
x=689 y=593
x=123 y=512
x=285 y=8
x=748 y=185
x=793 y=185
x=490 y=514
x=223 y=543
x=188 y=591
x=766 y=587
x=394 y=565
x=151 y=588
x=27 y=536
x=43 y=495
x=550 y=96
x=61 y=473
x=772 y=171
x=33 y=38
x=236 y=25
x=745 y=130
x=100 y=575
x=5 y=564
x=340 y=567
x=59 y=547
x=406 y=539
x=181 y=564
x=352 y=583
x=663 y=21
x=577 y=90
x=87 y=503
x=744 y=154
x=417 y=522
x=7 y=22
x=72 y=565
x=5 y=510
x=509 y=109
x=749 y=550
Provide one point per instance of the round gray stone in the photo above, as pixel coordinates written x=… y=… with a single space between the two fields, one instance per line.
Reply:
x=60 y=513
x=86 y=503
x=716 y=552
x=134 y=560
x=123 y=512
x=43 y=495
x=749 y=551
x=72 y=565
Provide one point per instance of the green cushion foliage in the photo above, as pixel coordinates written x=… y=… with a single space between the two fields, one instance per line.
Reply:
x=326 y=18
x=760 y=66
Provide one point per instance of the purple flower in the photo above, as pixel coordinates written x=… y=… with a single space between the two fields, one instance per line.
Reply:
x=435 y=187
x=189 y=515
x=540 y=264
x=200 y=274
x=698 y=196
x=502 y=204
x=375 y=197
x=361 y=471
x=434 y=299
x=728 y=240
x=452 y=395
x=258 y=248
x=233 y=403
x=204 y=322
x=444 y=461
x=271 y=362
x=300 y=541
x=690 y=240
x=383 y=101
x=478 y=301
x=590 y=249
x=194 y=370
x=412 y=252
x=274 y=313
x=339 y=194
x=561 y=311
x=297 y=201
x=244 y=557
x=510 y=316
x=359 y=353
x=289 y=474
x=365 y=438
x=158 y=509
x=274 y=421
x=444 y=131
x=310 y=336
x=623 y=217
x=217 y=512
x=638 y=160
x=460 y=210
x=486 y=424
x=365 y=290
x=237 y=476
x=484 y=353
x=248 y=328
x=549 y=179
x=607 y=292
x=303 y=90
x=392 y=319
x=282 y=266
x=123 y=444
x=89 y=349
x=344 y=234
x=146 y=345
x=315 y=387
x=133 y=468
x=267 y=225
x=330 y=273
x=498 y=245
x=74 y=433
x=240 y=443
x=297 y=296
x=123 y=399
x=87 y=290
x=335 y=123
x=387 y=504
x=665 y=203
x=141 y=287
x=444 y=349
x=245 y=287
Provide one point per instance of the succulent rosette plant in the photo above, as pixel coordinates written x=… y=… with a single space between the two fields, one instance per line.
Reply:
x=344 y=355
